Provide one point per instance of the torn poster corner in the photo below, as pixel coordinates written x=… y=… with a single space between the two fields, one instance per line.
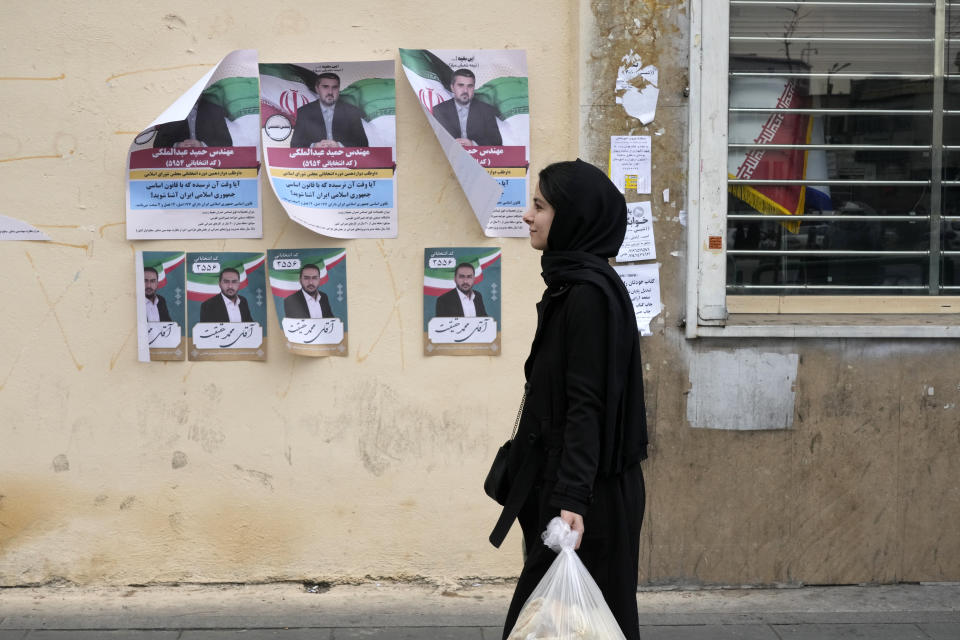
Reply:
x=13 y=229
x=637 y=88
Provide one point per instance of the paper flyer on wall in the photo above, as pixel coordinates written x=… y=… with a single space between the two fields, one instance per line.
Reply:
x=478 y=105
x=461 y=301
x=330 y=145
x=643 y=285
x=162 y=296
x=193 y=172
x=227 y=306
x=310 y=294
x=638 y=243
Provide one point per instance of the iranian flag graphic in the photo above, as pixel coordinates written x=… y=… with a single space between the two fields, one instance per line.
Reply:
x=439 y=281
x=164 y=263
x=285 y=283
x=201 y=286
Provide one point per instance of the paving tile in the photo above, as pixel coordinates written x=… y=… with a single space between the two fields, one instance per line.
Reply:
x=491 y=633
x=409 y=633
x=941 y=630
x=850 y=631
x=100 y=634
x=708 y=632
x=257 y=634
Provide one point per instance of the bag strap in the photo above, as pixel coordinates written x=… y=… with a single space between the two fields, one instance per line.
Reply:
x=516 y=423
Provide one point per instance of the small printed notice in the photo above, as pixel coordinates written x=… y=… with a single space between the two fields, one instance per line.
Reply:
x=13 y=229
x=630 y=161
x=163 y=301
x=310 y=295
x=461 y=301
x=193 y=173
x=227 y=306
x=330 y=141
x=643 y=285
x=638 y=243
x=477 y=103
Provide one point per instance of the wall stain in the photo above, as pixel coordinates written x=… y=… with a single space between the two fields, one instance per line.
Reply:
x=34 y=78
x=19 y=158
x=116 y=356
x=109 y=224
x=394 y=311
x=128 y=503
x=263 y=478
x=61 y=463
x=179 y=460
x=157 y=69
x=52 y=306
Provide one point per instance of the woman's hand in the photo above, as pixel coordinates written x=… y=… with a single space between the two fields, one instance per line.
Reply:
x=575 y=520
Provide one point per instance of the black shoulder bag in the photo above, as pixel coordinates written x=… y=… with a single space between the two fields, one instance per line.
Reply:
x=497 y=484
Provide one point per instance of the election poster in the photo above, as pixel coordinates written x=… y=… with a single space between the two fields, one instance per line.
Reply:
x=330 y=144
x=461 y=301
x=192 y=173
x=162 y=302
x=477 y=104
x=310 y=293
x=226 y=306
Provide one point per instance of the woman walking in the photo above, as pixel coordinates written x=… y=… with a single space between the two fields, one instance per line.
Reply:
x=582 y=432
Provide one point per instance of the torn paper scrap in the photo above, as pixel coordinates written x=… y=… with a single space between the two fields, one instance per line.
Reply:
x=630 y=162
x=477 y=103
x=638 y=243
x=636 y=88
x=643 y=285
x=13 y=229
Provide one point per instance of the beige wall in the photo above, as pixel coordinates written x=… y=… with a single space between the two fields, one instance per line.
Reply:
x=297 y=467
x=371 y=465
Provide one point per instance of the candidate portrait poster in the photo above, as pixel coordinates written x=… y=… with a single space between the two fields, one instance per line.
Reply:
x=477 y=103
x=162 y=294
x=461 y=301
x=330 y=145
x=309 y=289
x=192 y=173
x=226 y=306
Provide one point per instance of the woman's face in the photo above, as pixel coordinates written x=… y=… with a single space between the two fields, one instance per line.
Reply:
x=539 y=217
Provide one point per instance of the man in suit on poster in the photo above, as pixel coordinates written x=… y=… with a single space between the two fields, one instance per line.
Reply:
x=309 y=302
x=471 y=122
x=461 y=301
x=328 y=122
x=228 y=305
x=156 y=305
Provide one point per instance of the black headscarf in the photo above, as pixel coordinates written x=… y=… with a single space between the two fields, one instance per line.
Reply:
x=589 y=223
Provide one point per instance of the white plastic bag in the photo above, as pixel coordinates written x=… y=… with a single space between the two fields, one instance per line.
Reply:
x=567 y=604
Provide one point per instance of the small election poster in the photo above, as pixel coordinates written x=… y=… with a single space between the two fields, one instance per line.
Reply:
x=330 y=142
x=227 y=306
x=193 y=172
x=478 y=105
x=310 y=293
x=461 y=301
x=163 y=321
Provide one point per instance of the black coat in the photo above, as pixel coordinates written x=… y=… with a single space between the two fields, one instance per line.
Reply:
x=450 y=306
x=215 y=310
x=481 y=122
x=162 y=310
x=347 y=125
x=295 y=305
x=211 y=128
x=560 y=431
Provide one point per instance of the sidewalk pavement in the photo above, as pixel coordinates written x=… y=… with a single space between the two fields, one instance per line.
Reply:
x=401 y=611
